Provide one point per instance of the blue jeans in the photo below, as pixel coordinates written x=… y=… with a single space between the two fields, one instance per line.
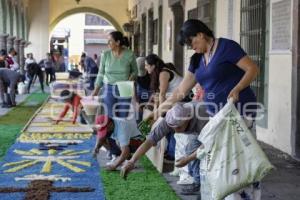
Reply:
x=115 y=106
x=194 y=166
x=171 y=145
x=92 y=83
x=143 y=96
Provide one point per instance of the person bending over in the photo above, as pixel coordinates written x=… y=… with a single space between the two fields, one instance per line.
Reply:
x=71 y=100
x=121 y=136
x=188 y=118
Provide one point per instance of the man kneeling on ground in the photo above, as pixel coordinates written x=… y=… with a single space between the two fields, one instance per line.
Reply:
x=187 y=118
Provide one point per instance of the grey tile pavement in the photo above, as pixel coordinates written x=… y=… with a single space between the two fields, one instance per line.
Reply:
x=19 y=99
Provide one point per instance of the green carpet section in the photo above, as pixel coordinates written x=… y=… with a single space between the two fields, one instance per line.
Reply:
x=145 y=185
x=13 y=122
x=8 y=136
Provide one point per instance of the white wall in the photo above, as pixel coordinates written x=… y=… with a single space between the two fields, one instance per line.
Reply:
x=143 y=7
x=221 y=15
x=191 y=4
x=222 y=23
x=38 y=19
x=167 y=16
x=278 y=132
x=76 y=25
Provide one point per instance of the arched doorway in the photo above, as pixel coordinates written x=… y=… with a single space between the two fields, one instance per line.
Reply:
x=78 y=33
x=86 y=10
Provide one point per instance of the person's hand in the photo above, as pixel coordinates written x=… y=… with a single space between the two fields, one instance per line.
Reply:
x=92 y=94
x=182 y=162
x=131 y=78
x=126 y=169
x=234 y=95
x=96 y=151
x=111 y=167
x=149 y=118
x=50 y=119
x=96 y=127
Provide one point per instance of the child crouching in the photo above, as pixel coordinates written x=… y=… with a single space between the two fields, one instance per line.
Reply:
x=120 y=136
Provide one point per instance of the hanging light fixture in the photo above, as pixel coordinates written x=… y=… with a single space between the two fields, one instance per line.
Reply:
x=77 y=1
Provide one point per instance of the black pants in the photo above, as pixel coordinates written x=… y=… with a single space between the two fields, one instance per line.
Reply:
x=50 y=73
x=32 y=77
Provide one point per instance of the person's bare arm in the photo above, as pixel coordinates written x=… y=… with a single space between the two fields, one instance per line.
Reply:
x=163 y=86
x=125 y=152
x=95 y=91
x=129 y=165
x=185 y=160
x=251 y=72
x=142 y=150
x=178 y=94
x=98 y=145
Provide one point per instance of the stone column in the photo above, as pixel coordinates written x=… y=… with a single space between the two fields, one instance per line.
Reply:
x=17 y=48
x=27 y=44
x=178 y=16
x=21 y=55
x=3 y=40
x=10 y=42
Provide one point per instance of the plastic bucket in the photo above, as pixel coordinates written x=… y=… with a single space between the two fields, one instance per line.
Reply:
x=22 y=88
x=90 y=106
x=125 y=88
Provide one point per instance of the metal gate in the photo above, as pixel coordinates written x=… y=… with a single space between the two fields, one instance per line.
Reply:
x=253 y=40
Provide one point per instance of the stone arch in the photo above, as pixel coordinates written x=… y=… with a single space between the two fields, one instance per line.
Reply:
x=86 y=10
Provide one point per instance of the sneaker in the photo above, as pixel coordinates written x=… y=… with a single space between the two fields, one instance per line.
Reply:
x=108 y=155
x=192 y=189
x=186 y=181
x=6 y=106
x=175 y=172
x=112 y=160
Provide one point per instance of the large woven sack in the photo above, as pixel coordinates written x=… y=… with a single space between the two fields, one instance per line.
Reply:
x=233 y=158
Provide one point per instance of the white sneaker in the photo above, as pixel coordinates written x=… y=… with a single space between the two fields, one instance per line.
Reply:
x=186 y=181
x=175 y=172
x=112 y=160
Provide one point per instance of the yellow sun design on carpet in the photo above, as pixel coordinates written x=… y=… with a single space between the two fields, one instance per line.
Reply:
x=32 y=157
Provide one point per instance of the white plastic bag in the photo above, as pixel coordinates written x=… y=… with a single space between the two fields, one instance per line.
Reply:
x=232 y=157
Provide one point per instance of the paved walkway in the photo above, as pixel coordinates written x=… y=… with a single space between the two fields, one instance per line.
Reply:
x=282 y=184
x=19 y=99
